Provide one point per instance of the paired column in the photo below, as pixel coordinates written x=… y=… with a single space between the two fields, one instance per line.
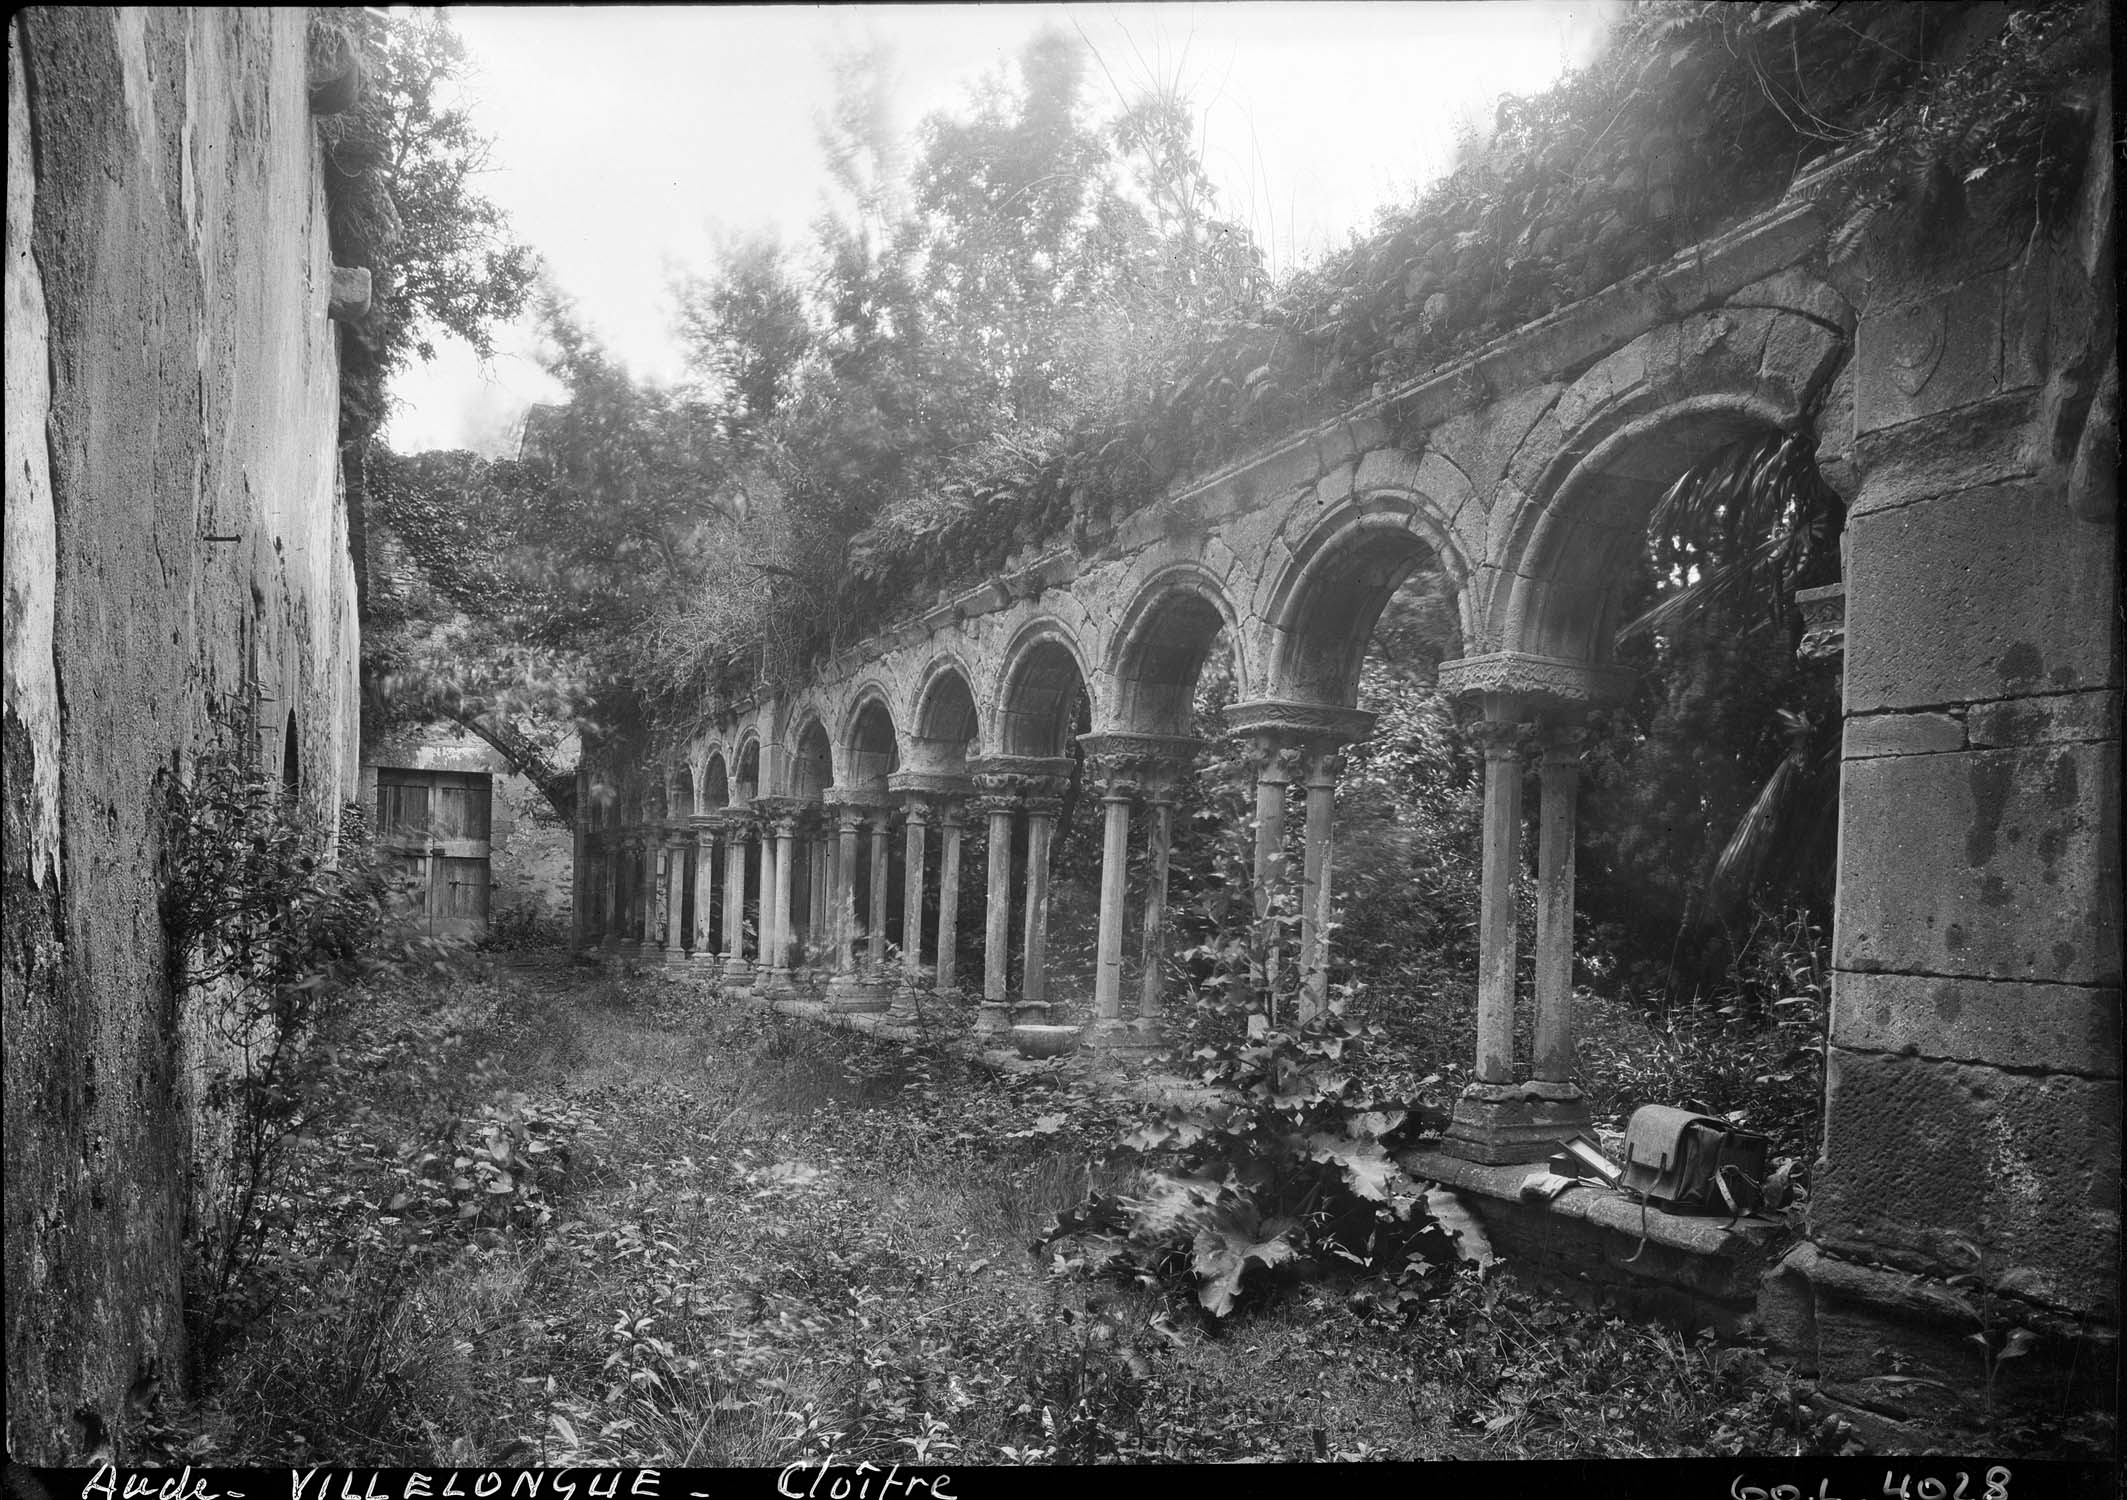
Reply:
x=1133 y=769
x=786 y=844
x=1498 y=1119
x=855 y=983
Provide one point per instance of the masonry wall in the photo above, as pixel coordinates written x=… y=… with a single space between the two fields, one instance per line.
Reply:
x=175 y=541
x=1973 y=1110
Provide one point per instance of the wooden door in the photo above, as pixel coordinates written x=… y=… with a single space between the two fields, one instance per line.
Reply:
x=432 y=826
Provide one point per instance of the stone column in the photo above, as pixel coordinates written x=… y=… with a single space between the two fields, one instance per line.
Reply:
x=1496 y=951
x=1115 y=798
x=1498 y=1120
x=706 y=830
x=631 y=903
x=786 y=843
x=1323 y=765
x=647 y=902
x=1159 y=836
x=847 y=817
x=997 y=930
x=675 y=894
x=1554 y=906
x=608 y=895
x=1275 y=765
x=875 y=918
x=736 y=836
x=948 y=896
x=912 y=890
x=1034 y=965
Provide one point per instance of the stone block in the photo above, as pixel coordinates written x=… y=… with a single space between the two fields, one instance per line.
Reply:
x=1930 y=354
x=1984 y=443
x=1795 y=290
x=1386 y=469
x=2049 y=719
x=2005 y=1023
x=1919 y=1154
x=1901 y=734
x=2002 y=863
x=1987 y=594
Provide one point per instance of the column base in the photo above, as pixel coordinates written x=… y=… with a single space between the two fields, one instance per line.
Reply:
x=737 y=973
x=1031 y=1012
x=993 y=1018
x=857 y=994
x=1498 y=1123
x=1124 y=1041
x=628 y=948
x=773 y=982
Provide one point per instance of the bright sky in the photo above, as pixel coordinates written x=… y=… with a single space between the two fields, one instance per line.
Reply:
x=627 y=139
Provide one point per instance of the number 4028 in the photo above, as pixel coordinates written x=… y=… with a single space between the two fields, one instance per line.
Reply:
x=1928 y=1487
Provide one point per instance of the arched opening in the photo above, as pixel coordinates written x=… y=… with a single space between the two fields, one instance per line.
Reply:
x=1162 y=659
x=873 y=752
x=746 y=783
x=1044 y=701
x=1373 y=592
x=291 y=761
x=947 y=726
x=716 y=784
x=812 y=765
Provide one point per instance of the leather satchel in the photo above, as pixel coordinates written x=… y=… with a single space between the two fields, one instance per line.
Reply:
x=1693 y=1164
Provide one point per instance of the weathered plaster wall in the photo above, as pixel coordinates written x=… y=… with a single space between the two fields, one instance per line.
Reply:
x=165 y=199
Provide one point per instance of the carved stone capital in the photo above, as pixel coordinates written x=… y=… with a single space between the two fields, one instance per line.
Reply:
x=781 y=813
x=1285 y=721
x=1515 y=683
x=1029 y=775
x=1145 y=761
x=933 y=784
x=1823 y=622
x=710 y=823
x=1042 y=807
x=991 y=804
x=1499 y=739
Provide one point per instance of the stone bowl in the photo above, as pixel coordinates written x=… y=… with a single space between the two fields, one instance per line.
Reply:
x=1045 y=1041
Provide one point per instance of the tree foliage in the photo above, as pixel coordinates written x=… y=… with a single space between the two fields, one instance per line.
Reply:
x=401 y=178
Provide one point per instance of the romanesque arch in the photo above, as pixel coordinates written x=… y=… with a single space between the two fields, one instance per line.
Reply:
x=1321 y=610
x=1176 y=620
x=1036 y=708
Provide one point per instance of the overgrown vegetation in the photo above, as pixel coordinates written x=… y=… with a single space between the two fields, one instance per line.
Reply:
x=756 y=1242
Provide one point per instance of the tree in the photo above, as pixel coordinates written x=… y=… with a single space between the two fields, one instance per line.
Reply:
x=401 y=171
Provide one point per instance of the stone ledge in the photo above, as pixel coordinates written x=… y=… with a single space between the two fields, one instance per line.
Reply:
x=1697 y=1270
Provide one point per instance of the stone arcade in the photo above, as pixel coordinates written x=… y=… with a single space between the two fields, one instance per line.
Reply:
x=1966 y=411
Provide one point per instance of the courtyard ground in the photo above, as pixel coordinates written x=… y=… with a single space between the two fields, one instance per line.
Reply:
x=692 y=1231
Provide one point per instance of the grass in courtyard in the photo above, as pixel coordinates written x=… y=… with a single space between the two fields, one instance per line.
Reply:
x=765 y=1241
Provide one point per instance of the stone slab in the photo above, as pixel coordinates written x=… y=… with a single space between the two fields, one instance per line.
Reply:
x=1929 y=355
x=1984 y=443
x=1919 y=1154
x=1987 y=594
x=2001 y=863
x=2060 y=1027
x=2046 y=719
x=1901 y=734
